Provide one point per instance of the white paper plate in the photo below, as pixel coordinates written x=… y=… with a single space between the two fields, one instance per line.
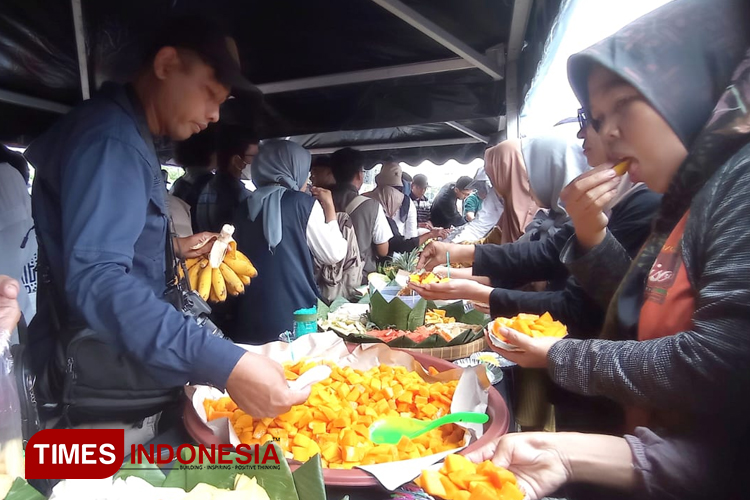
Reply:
x=501 y=343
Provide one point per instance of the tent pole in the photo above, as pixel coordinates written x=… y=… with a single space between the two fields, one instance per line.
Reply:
x=521 y=12
x=367 y=75
x=468 y=131
x=399 y=145
x=32 y=102
x=511 y=100
x=80 y=31
x=432 y=30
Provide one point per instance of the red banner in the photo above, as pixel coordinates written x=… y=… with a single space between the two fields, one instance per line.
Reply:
x=75 y=453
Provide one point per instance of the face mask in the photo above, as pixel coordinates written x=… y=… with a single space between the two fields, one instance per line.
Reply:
x=245 y=175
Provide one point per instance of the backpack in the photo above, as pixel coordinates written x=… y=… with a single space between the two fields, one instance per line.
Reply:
x=343 y=278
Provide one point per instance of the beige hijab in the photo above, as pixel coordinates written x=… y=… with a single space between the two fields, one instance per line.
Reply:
x=390 y=197
x=507 y=172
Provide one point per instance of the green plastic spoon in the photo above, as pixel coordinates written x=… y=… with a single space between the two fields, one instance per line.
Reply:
x=389 y=430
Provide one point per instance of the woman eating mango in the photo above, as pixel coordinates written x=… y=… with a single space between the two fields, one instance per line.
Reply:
x=674 y=350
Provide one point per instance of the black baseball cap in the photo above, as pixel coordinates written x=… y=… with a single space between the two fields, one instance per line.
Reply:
x=420 y=180
x=207 y=39
x=463 y=182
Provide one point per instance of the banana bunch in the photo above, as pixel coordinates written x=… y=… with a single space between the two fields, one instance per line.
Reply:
x=225 y=271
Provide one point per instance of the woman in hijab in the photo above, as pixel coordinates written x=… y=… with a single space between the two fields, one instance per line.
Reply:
x=552 y=162
x=501 y=269
x=505 y=167
x=281 y=229
x=674 y=349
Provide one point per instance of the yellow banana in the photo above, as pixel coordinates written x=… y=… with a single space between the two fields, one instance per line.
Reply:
x=241 y=256
x=219 y=286
x=193 y=276
x=212 y=296
x=241 y=267
x=204 y=282
x=191 y=262
x=245 y=279
x=233 y=282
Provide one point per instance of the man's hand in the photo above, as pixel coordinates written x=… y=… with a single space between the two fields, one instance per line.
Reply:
x=532 y=351
x=439 y=233
x=10 y=313
x=193 y=246
x=325 y=199
x=534 y=457
x=456 y=289
x=258 y=386
x=585 y=200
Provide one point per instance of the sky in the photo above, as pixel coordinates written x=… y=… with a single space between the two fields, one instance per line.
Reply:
x=551 y=98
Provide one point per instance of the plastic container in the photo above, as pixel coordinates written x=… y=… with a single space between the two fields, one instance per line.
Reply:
x=305 y=321
x=11 y=438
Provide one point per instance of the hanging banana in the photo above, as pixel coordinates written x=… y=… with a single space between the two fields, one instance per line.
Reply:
x=224 y=271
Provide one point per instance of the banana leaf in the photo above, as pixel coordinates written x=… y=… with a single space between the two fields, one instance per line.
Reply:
x=308 y=480
x=323 y=309
x=464 y=337
x=279 y=484
x=21 y=490
x=396 y=313
x=145 y=470
x=457 y=311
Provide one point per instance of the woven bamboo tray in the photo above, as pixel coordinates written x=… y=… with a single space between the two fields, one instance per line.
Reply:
x=450 y=353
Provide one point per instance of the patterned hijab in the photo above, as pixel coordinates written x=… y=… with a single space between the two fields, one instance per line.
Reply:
x=279 y=166
x=683 y=58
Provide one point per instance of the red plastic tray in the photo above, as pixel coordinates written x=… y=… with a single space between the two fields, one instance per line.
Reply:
x=493 y=429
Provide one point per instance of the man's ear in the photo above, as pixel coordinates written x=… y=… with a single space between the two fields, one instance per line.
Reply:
x=166 y=60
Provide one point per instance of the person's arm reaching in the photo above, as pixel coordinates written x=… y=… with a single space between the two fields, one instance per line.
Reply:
x=325 y=240
x=514 y=265
x=545 y=461
x=436 y=253
x=571 y=306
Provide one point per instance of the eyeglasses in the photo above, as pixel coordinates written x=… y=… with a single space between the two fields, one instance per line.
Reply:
x=582 y=118
x=619 y=113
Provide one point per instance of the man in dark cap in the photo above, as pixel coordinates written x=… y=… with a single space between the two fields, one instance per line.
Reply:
x=418 y=190
x=444 y=212
x=104 y=321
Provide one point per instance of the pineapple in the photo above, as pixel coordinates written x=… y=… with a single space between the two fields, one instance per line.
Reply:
x=406 y=261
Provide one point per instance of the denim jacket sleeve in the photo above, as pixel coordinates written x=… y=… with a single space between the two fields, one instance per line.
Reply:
x=104 y=200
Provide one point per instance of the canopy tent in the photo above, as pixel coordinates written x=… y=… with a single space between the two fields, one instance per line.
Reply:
x=402 y=79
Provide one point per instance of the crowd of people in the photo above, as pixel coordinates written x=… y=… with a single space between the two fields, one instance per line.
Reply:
x=649 y=270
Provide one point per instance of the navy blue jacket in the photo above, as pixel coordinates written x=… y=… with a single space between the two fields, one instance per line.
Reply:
x=285 y=281
x=99 y=209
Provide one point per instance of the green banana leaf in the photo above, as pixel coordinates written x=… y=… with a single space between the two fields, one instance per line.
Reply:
x=456 y=310
x=21 y=490
x=279 y=484
x=465 y=337
x=338 y=302
x=396 y=313
x=145 y=470
x=323 y=309
x=309 y=480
